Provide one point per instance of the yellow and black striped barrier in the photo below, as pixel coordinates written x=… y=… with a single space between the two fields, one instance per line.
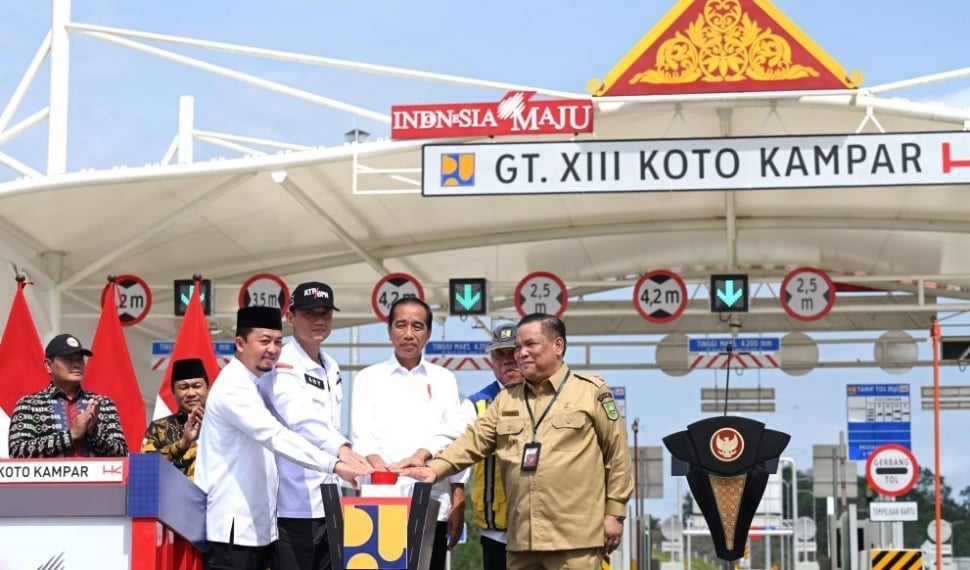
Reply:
x=896 y=559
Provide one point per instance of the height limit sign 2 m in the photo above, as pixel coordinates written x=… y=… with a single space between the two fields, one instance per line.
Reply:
x=660 y=296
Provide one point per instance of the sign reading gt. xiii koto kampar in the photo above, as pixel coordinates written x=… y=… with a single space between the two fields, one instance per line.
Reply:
x=664 y=165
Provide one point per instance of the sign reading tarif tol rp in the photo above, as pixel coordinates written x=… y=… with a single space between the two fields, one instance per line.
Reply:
x=514 y=114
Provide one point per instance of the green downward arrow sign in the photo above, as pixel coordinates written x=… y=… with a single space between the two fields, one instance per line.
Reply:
x=186 y=298
x=467 y=301
x=729 y=296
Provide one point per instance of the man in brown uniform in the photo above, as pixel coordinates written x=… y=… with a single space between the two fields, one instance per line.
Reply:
x=562 y=450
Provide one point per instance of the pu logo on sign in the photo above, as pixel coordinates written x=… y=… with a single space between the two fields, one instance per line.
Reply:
x=458 y=169
x=375 y=535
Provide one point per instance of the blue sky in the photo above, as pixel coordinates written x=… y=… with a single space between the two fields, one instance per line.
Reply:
x=123 y=110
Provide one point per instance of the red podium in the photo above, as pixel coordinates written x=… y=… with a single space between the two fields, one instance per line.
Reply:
x=137 y=512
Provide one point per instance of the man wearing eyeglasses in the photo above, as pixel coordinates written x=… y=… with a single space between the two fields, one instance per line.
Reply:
x=306 y=395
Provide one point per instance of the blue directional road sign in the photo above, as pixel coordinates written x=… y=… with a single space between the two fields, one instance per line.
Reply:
x=877 y=414
x=456 y=348
x=760 y=344
x=467 y=297
x=729 y=293
x=619 y=396
x=161 y=348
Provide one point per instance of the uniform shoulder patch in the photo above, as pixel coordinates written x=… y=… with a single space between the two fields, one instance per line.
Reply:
x=283 y=366
x=611 y=412
x=605 y=395
x=594 y=379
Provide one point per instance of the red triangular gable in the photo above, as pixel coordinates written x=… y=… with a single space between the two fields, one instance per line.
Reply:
x=721 y=46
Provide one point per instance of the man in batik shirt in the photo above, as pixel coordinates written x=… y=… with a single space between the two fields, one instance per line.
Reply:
x=175 y=436
x=64 y=419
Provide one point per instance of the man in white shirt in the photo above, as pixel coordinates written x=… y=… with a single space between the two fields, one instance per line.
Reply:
x=236 y=466
x=488 y=491
x=404 y=404
x=305 y=394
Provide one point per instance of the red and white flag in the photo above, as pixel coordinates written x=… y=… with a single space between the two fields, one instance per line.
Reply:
x=21 y=362
x=110 y=372
x=192 y=341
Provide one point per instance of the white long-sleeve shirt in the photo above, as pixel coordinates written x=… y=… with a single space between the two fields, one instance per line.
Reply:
x=306 y=397
x=236 y=466
x=396 y=411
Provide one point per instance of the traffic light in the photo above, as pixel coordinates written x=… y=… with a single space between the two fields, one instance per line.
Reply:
x=729 y=293
x=467 y=296
x=183 y=292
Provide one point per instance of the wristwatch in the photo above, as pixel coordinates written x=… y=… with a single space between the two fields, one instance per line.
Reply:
x=620 y=518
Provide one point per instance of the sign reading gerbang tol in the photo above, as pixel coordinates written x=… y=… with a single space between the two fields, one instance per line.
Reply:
x=666 y=165
x=514 y=114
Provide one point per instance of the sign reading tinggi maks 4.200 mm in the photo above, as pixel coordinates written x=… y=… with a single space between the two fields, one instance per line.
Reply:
x=515 y=114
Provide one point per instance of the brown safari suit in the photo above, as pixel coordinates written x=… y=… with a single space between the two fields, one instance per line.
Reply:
x=584 y=468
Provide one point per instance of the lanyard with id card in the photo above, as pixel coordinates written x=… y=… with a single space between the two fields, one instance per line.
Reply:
x=530 y=452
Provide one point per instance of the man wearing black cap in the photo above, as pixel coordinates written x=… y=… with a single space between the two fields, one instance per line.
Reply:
x=305 y=395
x=236 y=465
x=174 y=437
x=63 y=419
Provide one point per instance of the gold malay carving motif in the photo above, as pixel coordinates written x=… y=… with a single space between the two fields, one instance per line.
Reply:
x=727 y=497
x=724 y=44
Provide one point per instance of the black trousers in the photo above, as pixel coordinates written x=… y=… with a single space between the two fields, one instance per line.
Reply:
x=222 y=556
x=493 y=554
x=302 y=545
x=439 y=550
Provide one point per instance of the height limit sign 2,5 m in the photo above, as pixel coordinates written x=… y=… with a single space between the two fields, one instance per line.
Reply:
x=541 y=292
x=807 y=294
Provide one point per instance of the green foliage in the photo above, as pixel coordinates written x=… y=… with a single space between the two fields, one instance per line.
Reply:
x=468 y=556
x=956 y=513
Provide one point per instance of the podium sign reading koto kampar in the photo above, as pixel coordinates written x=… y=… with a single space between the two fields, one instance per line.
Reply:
x=541 y=292
x=671 y=165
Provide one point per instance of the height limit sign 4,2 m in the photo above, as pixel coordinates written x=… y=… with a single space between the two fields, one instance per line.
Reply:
x=660 y=296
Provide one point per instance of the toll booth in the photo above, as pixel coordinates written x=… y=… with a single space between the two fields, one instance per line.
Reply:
x=137 y=512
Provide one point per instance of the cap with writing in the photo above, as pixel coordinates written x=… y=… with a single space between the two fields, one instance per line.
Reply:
x=312 y=295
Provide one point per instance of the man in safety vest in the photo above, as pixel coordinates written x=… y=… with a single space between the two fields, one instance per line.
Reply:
x=488 y=493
